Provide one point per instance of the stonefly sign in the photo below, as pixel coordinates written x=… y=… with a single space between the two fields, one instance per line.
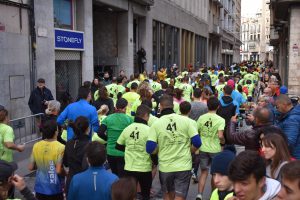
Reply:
x=69 y=40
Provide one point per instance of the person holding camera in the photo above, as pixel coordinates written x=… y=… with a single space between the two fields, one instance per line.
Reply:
x=249 y=137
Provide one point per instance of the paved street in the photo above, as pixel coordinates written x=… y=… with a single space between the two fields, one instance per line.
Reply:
x=23 y=159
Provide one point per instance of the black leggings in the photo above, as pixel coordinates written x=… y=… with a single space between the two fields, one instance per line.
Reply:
x=116 y=164
x=145 y=181
x=49 y=197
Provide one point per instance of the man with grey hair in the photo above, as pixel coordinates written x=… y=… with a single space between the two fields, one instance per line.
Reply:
x=289 y=122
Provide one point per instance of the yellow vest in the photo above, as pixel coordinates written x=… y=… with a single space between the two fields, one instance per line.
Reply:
x=215 y=196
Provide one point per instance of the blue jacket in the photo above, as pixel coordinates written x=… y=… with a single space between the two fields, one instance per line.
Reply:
x=76 y=109
x=92 y=184
x=238 y=99
x=290 y=124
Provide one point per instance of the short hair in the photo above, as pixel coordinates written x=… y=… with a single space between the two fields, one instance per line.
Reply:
x=3 y=114
x=142 y=110
x=227 y=90
x=121 y=103
x=247 y=163
x=166 y=101
x=80 y=125
x=49 y=128
x=185 y=107
x=83 y=92
x=213 y=103
x=262 y=115
x=96 y=154
x=87 y=84
x=291 y=171
x=124 y=189
x=164 y=84
x=53 y=105
x=154 y=78
x=284 y=99
x=185 y=79
x=120 y=79
x=248 y=82
x=41 y=80
x=197 y=92
x=134 y=86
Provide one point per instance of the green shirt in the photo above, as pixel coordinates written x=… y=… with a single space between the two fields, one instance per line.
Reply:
x=155 y=86
x=6 y=135
x=187 y=91
x=134 y=137
x=131 y=97
x=208 y=126
x=173 y=134
x=115 y=124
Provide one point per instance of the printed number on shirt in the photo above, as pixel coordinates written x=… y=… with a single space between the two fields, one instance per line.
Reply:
x=208 y=124
x=135 y=135
x=171 y=127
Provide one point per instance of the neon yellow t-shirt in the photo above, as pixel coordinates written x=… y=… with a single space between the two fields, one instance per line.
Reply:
x=152 y=119
x=121 y=89
x=95 y=137
x=187 y=91
x=213 y=79
x=173 y=135
x=112 y=89
x=131 y=97
x=208 y=126
x=134 y=137
x=155 y=86
x=6 y=135
x=134 y=81
x=219 y=88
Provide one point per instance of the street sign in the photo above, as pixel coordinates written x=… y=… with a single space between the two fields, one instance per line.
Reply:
x=69 y=40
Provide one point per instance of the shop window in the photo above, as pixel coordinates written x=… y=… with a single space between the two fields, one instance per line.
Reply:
x=63 y=13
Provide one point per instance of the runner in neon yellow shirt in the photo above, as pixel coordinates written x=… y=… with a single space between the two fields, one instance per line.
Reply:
x=155 y=85
x=131 y=97
x=173 y=134
x=210 y=127
x=187 y=89
x=112 y=88
x=133 y=140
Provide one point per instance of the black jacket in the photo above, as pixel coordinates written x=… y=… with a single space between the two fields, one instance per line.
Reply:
x=74 y=157
x=226 y=111
x=37 y=99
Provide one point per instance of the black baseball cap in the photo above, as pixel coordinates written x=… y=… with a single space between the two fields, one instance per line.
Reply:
x=7 y=170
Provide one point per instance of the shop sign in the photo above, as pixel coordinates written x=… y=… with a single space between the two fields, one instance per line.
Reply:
x=69 y=40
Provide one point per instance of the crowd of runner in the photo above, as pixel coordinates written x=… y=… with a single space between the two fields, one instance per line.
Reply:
x=121 y=132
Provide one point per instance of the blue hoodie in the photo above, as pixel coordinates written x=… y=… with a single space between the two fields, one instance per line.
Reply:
x=290 y=124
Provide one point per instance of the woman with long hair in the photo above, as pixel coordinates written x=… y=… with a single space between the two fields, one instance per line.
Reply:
x=178 y=96
x=275 y=151
x=104 y=98
x=75 y=148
